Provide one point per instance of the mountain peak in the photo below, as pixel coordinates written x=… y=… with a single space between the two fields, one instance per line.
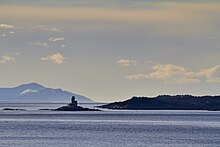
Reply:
x=33 y=86
x=34 y=92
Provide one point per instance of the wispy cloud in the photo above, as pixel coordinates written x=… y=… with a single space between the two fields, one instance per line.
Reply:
x=46 y=28
x=212 y=74
x=56 y=58
x=2 y=35
x=6 y=58
x=137 y=76
x=126 y=62
x=56 y=39
x=17 y=54
x=170 y=73
x=6 y=26
x=186 y=80
x=41 y=44
x=63 y=46
x=11 y=32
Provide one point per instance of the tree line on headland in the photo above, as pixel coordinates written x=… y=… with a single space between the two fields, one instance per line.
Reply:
x=168 y=102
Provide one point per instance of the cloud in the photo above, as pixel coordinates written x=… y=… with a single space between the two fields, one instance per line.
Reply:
x=56 y=58
x=11 y=32
x=186 y=80
x=136 y=76
x=63 y=46
x=212 y=74
x=2 y=35
x=165 y=72
x=46 y=28
x=55 y=39
x=6 y=26
x=170 y=73
x=6 y=58
x=17 y=54
x=41 y=44
x=126 y=62
x=214 y=80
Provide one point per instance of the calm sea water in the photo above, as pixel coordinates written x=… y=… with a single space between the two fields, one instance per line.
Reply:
x=34 y=128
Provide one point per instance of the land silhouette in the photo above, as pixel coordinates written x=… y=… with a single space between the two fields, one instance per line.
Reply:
x=72 y=106
x=168 y=102
x=36 y=93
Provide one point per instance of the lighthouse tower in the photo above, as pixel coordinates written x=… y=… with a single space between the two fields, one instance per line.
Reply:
x=73 y=103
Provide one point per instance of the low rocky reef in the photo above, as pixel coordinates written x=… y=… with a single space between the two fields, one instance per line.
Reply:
x=11 y=109
x=167 y=102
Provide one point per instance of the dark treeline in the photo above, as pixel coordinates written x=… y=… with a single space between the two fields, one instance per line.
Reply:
x=168 y=102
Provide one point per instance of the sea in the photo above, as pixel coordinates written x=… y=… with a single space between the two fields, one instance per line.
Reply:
x=107 y=128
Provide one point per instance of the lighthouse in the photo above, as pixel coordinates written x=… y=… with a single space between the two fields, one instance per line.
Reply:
x=73 y=103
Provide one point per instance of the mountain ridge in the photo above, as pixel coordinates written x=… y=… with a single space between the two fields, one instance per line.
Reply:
x=34 y=92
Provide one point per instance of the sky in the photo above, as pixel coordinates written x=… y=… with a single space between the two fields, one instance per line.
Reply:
x=111 y=50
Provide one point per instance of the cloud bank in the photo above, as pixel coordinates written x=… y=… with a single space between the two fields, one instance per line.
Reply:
x=170 y=73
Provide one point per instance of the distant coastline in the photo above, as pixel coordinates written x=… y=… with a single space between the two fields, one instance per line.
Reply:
x=168 y=102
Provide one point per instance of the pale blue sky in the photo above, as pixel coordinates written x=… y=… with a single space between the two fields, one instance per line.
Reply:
x=112 y=50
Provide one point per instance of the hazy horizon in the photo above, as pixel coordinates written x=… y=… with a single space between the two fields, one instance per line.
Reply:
x=112 y=50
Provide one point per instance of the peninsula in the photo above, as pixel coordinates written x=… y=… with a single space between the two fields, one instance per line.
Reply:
x=167 y=102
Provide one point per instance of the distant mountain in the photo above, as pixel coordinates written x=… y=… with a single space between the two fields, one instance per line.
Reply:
x=167 y=102
x=34 y=92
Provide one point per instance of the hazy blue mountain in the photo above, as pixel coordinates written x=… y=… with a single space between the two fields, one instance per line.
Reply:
x=34 y=92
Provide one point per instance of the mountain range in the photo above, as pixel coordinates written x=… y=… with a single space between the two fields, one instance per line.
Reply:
x=34 y=92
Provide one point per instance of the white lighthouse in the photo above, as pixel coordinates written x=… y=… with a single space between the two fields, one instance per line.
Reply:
x=73 y=103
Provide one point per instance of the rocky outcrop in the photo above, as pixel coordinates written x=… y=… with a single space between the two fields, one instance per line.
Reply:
x=77 y=108
x=72 y=106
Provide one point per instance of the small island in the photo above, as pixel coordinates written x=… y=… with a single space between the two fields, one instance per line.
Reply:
x=74 y=107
